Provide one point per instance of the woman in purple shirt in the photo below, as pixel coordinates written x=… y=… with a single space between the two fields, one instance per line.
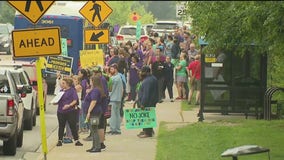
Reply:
x=66 y=111
x=134 y=76
x=93 y=102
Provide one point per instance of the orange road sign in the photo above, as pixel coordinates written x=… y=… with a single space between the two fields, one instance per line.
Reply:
x=96 y=12
x=32 y=10
x=135 y=17
x=97 y=36
x=36 y=42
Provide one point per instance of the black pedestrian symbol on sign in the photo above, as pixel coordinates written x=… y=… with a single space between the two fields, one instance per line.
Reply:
x=97 y=9
x=28 y=5
x=95 y=37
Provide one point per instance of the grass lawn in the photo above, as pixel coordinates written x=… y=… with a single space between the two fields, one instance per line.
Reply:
x=206 y=141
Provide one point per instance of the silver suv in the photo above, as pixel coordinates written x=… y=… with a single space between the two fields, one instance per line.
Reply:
x=11 y=113
x=29 y=97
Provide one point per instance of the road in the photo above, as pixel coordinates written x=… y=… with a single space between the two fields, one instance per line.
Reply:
x=31 y=148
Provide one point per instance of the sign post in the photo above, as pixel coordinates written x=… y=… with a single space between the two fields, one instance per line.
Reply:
x=41 y=105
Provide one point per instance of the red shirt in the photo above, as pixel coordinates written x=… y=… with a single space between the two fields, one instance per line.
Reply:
x=195 y=67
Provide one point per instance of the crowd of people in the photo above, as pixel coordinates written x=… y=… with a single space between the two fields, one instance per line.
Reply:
x=139 y=73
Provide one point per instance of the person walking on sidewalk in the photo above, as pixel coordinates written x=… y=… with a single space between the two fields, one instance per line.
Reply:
x=66 y=111
x=148 y=96
x=94 y=103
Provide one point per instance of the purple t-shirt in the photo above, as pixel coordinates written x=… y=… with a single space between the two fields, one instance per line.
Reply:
x=133 y=74
x=93 y=95
x=68 y=96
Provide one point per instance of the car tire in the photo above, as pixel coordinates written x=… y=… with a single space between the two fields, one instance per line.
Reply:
x=29 y=123
x=34 y=119
x=20 y=137
x=10 y=146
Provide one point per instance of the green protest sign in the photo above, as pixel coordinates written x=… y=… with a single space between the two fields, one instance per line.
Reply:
x=138 y=30
x=64 y=47
x=138 y=118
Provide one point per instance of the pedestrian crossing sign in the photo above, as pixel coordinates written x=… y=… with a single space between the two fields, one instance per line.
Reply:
x=32 y=10
x=96 y=12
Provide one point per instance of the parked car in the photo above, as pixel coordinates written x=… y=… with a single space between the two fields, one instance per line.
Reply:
x=165 y=27
x=29 y=97
x=128 y=33
x=148 y=28
x=6 y=39
x=11 y=113
x=31 y=71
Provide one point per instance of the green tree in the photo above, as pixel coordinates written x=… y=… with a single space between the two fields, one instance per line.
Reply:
x=7 y=13
x=231 y=24
x=123 y=9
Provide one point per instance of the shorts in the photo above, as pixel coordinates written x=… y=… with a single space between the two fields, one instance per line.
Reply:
x=181 y=79
x=196 y=85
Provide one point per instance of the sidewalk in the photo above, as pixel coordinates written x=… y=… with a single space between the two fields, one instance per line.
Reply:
x=127 y=146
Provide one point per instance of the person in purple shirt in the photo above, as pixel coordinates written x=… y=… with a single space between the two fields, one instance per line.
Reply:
x=97 y=71
x=94 y=103
x=85 y=83
x=66 y=111
x=134 y=76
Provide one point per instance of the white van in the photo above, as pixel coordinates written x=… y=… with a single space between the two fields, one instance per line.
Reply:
x=165 y=27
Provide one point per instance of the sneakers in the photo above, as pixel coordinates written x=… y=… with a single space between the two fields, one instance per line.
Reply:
x=103 y=146
x=178 y=98
x=67 y=140
x=78 y=143
x=59 y=143
x=93 y=150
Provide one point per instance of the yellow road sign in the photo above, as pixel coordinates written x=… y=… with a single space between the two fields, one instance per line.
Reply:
x=97 y=36
x=96 y=12
x=36 y=42
x=32 y=10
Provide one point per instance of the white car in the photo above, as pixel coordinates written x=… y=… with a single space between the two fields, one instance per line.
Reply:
x=128 y=33
x=165 y=27
x=21 y=79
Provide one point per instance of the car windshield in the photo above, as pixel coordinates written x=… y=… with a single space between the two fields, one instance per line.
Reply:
x=4 y=29
x=164 y=26
x=19 y=78
x=130 y=31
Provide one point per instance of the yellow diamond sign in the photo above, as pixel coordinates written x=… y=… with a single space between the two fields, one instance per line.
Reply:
x=95 y=12
x=31 y=9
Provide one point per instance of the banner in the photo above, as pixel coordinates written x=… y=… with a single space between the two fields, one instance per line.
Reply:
x=137 y=118
x=64 y=49
x=59 y=63
x=89 y=58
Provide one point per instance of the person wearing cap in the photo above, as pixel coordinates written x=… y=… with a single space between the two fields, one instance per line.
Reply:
x=147 y=96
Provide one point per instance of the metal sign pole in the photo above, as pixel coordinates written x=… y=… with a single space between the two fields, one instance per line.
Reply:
x=41 y=106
